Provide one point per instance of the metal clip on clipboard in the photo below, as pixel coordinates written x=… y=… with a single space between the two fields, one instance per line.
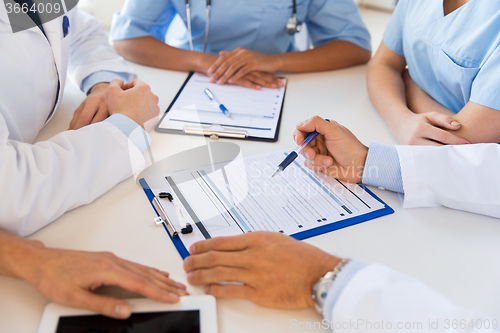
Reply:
x=163 y=218
x=215 y=131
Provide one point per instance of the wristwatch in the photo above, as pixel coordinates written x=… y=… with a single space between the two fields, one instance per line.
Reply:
x=321 y=288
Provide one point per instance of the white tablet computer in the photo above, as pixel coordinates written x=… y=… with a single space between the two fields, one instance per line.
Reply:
x=192 y=314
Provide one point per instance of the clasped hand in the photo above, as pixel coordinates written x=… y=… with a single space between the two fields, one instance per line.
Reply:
x=133 y=99
x=246 y=68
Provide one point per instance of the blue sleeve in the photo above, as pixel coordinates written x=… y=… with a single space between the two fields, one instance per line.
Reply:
x=140 y=18
x=382 y=168
x=104 y=76
x=139 y=137
x=486 y=86
x=393 y=35
x=336 y=20
x=338 y=285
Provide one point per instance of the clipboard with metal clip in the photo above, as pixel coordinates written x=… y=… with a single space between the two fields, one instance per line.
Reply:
x=215 y=130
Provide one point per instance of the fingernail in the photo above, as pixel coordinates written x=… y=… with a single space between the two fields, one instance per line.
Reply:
x=300 y=124
x=294 y=137
x=122 y=311
x=230 y=80
x=273 y=85
x=174 y=296
x=306 y=154
x=190 y=277
x=326 y=162
x=258 y=87
x=207 y=290
x=455 y=123
x=180 y=285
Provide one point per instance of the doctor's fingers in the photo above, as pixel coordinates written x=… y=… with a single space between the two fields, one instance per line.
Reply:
x=76 y=114
x=91 y=106
x=442 y=120
x=231 y=291
x=438 y=135
x=232 y=243
x=245 y=82
x=219 y=274
x=263 y=79
x=159 y=278
x=319 y=163
x=215 y=258
x=226 y=70
x=101 y=114
x=105 y=305
x=113 y=275
x=223 y=56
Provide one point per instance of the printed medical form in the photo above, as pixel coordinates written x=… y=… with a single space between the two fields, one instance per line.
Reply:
x=241 y=196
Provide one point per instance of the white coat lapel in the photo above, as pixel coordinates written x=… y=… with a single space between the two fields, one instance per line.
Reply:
x=53 y=29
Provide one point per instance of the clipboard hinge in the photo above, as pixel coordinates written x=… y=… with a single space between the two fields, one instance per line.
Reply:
x=215 y=131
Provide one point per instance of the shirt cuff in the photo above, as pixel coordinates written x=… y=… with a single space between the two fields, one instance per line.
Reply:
x=341 y=281
x=102 y=76
x=139 y=137
x=382 y=168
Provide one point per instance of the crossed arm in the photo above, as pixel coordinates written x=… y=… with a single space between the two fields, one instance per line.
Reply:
x=242 y=66
x=416 y=118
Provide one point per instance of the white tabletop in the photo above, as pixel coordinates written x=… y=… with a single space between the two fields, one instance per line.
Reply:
x=454 y=252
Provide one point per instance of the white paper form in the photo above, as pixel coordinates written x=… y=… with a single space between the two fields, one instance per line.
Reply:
x=254 y=111
x=242 y=197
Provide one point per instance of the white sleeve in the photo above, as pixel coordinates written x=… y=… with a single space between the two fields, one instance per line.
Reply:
x=464 y=177
x=379 y=299
x=39 y=182
x=90 y=51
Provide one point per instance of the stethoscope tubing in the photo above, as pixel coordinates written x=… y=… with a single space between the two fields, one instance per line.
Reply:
x=207 y=26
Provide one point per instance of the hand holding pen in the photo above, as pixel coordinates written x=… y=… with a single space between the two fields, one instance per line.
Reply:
x=335 y=151
x=295 y=153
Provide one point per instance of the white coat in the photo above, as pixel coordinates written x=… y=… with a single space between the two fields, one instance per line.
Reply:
x=39 y=182
x=378 y=299
x=461 y=177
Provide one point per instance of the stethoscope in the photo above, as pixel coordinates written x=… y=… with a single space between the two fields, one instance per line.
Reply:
x=293 y=25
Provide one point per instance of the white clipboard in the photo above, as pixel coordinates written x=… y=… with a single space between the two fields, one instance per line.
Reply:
x=255 y=114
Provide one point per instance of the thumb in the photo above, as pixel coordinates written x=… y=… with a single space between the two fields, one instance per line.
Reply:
x=105 y=305
x=116 y=84
x=443 y=121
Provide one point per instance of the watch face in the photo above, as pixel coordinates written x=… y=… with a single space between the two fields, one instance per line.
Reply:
x=321 y=290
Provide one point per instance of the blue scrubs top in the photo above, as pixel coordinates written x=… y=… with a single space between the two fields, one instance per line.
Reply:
x=258 y=25
x=454 y=58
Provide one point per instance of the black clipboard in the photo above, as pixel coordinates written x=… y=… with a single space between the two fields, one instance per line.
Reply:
x=217 y=131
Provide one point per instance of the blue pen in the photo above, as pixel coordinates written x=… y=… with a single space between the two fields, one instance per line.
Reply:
x=65 y=26
x=295 y=153
x=216 y=102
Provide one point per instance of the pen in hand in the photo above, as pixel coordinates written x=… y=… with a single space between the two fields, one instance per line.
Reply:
x=216 y=102
x=295 y=153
